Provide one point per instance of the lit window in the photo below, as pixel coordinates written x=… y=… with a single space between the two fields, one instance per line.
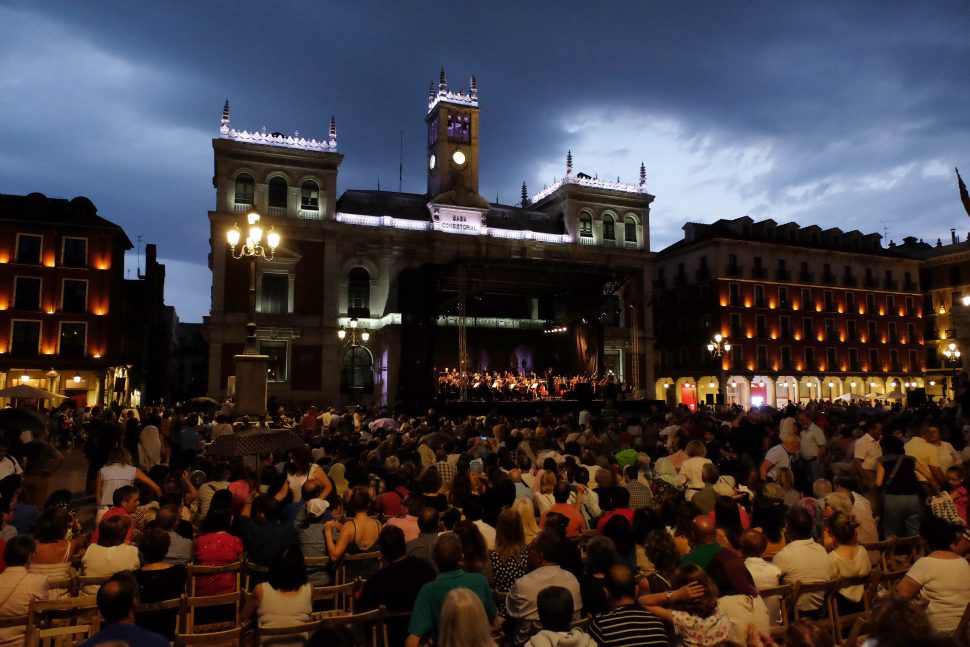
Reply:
x=585 y=225
x=310 y=196
x=357 y=374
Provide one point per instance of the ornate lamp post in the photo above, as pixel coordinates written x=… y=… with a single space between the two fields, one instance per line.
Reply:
x=251 y=366
x=952 y=355
x=717 y=347
x=354 y=347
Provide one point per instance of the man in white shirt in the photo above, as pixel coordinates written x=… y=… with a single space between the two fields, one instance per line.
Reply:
x=779 y=456
x=522 y=602
x=866 y=455
x=803 y=559
x=812 y=446
x=8 y=464
x=921 y=447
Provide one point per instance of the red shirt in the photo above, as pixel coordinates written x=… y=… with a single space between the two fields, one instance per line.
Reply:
x=115 y=512
x=569 y=511
x=626 y=513
x=217 y=549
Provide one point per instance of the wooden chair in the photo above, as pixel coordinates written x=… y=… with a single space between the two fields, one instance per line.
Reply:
x=844 y=623
x=906 y=551
x=231 y=637
x=89 y=584
x=14 y=622
x=885 y=550
x=299 y=632
x=66 y=584
x=254 y=574
x=334 y=600
x=374 y=557
x=890 y=579
x=194 y=571
x=359 y=622
x=230 y=601
x=175 y=605
x=826 y=616
x=856 y=637
x=57 y=622
x=784 y=594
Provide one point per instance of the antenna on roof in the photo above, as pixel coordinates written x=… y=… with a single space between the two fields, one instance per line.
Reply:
x=885 y=230
x=138 y=239
x=400 y=166
x=378 y=182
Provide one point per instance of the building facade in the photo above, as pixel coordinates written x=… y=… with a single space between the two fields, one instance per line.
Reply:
x=807 y=313
x=437 y=280
x=61 y=287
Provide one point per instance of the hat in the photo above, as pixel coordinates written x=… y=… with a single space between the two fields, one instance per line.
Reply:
x=316 y=507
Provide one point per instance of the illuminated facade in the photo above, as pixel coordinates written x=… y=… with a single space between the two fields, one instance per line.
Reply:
x=809 y=314
x=420 y=272
x=61 y=279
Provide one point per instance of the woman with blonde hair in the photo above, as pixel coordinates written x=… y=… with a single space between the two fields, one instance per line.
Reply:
x=527 y=514
x=463 y=621
x=547 y=482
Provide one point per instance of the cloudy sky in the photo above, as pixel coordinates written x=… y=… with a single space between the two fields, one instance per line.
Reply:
x=835 y=113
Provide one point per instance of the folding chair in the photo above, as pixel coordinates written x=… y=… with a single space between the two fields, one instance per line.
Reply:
x=229 y=601
x=89 y=584
x=363 y=566
x=359 y=622
x=826 y=609
x=334 y=600
x=230 y=637
x=784 y=594
x=871 y=584
x=57 y=622
x=194 y=571
x=885 y=549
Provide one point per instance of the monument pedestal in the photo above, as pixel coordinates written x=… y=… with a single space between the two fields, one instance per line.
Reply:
x=251 y=381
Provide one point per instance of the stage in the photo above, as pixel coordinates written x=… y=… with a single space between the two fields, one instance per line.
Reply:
x=556 y=407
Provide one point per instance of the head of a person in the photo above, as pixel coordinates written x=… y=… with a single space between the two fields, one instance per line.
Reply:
x=694 y=574
x=955 y=476
x=785 y=478
x=126 y=498
x=836 y=502
x=463 y=620
x=428 y=519
x=938 y=533
x=359 y=501
x=391 y=544
x=705 y=530
x=430 y=481
x=52 y=525
x=561 y=492
x=791 y=442
x=473 y=545
x=710 y=474
x=112 y=531
x=509 y=534
x=548 y=546
x=447 y=553
x=288 y=571
x=167 y=518
x=300 y=459
x=19 y=550
x=154 y=544
x=600 y=554
x=118 y=597
x=555 y=608
x=696 y=448
x=619 y=584
x=753 y=543
x=821 y=488
x=218 y=519
x=800 y=523
x=265 y=509
x=547 y=482
x=843 y=527
x=473 y=509
x=621 y=498
x=892 y=445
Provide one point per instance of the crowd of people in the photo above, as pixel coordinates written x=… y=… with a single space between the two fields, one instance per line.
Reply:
x=591 y=528
x=489 y=386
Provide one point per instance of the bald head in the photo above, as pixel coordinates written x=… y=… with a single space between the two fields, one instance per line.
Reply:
x=515 y=474
x=704 y=529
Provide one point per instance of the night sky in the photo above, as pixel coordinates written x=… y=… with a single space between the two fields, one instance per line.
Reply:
x=835 y=113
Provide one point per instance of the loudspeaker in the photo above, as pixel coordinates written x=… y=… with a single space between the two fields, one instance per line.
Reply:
x=709 y=398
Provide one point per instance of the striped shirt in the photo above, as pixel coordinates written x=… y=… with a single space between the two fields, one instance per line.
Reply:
x=628 y=626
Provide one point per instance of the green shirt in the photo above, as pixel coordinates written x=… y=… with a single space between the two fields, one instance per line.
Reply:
x=702 y=555
x=431 y=598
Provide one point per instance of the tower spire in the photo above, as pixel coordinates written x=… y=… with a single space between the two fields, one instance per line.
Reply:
x=643 y=174
x=525 y=195
x=431 y=92
x=224 y=124
x=569 y=162
x=442 y=83
x=474 y=87
x=333 y=129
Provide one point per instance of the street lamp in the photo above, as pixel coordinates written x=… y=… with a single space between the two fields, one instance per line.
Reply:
x=252 y=249
x=966 y=300
x=353 y=323
x=718 y=346
x=952 y=354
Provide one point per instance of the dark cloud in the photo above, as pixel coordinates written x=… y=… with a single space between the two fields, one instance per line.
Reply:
x=839 y=113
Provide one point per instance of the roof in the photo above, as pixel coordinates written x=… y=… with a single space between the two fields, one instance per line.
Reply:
x=414 y=206
x=38 y=209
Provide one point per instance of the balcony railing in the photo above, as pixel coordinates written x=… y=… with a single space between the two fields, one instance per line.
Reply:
x=586 y=241
x=828 y=279
x=734 y=270
x=782 y=275
x=849 y=281
x=631 y=244
x=891 y=284
x=758 y=272
x=870 y=282
x=308 y=214
x=806 y=277
x=241 y=207
x=609 y=242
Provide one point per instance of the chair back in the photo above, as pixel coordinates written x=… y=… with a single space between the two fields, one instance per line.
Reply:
x=174 y=607
x=855 y=633
x=906 y=551
x=58 y=622
x=885 y=550
x=255 y=574
x=195 y=571
x=231 y=637
x=826 y=614
x=373 y=619
x=228 y=601
x=298 y=631
x=784 y=594
x=361 y=566
x=68 y=584
x=870 y=582
x=89 y=584
x=337 y=599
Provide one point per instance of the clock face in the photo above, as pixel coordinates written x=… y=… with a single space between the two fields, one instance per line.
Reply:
x=431 y=161
x=458 y=158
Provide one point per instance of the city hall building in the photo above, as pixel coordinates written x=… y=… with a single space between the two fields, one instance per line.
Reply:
x=373 y=294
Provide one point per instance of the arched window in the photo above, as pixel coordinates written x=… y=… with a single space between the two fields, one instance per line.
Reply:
x=244 y=189
x=585 y=225
x=277 y=193
x=630 y=229
x=609 y=226
x=358 y=293
x=357 y=371
x=310 y=196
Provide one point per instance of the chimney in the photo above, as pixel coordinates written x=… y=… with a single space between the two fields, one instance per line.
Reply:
x=953 y=236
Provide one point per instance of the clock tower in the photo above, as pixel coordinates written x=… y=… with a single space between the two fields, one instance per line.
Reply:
x=452 y=159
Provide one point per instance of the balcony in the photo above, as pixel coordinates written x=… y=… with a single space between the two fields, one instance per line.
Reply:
x=891 y=284
x=758 y=272
x=828 y=279
x=734 y=270
x=586 y=240
x=782 y=275
x=910 y=286
x=609 y=242
x=242 y=207
x=276 y=211
x=870 y=282
x=631 y=244
x=849 y=281
x=806 y=277
x=308 y=214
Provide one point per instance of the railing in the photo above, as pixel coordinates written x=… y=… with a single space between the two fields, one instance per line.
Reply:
x=807 y=277
x=828 y=279
x=891 y=284
x=849 y=281
x=308 y=214
x=758 y=272
x=609 y=242
x=782 y=275
x=241 y=207
x=587 y=241
x=734 y=270
x=631 y=244
x=276 y=212
x=870 y=282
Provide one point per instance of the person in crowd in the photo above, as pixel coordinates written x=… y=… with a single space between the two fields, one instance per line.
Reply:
x=8 y=463
x=865 y=456
x=786 y=479
x=180 y=548
x=396 y=585
x=309 y=528
x=849 y=559
x=812 y=446
x=556 y=615
x=111 y=554
x=600 y=558
x=473 y=512
x=897 y=474
x=150 y=444
x=158 y=580
x=408 y=519
x=474 y=549
x=54 y=550
x=426 y=617
x=391 y=502
x=357 y=535
x=571 y=559
x=527 y=516
x=705 y=497
x=299 y=470
x=689 y=475
x=640 y=496
x=337 y=478
x=626 y=623
x=764 y=573
x=957 y=490
x=432 y=490
x=219 y=481
x=118 y=599
x=621 y=508
x=216 y=546
x=261 y=531
x=286 y=597
x=464 y=622
x=923 y=447
x=547 y=483
x=41 y=459
x=698 y=621
x=510 y=557
x=782 y=455
x=803 y=559
x=561 y=494
x=422 y=546
x=125 y=500
x=942 y=577
x=522 y=601
x=19 y=587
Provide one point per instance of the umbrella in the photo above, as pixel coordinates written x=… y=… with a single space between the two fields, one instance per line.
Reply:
x=252 y=442
x=27 y=391
x=894 y=395
x=20 y=419
x=384 y=423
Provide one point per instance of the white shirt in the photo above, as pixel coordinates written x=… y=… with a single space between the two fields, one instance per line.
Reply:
x=667 y=435
x=868 y=451
x=812 y=439
x=778 y=457
x=805 y=560
x=523 y=597
x=488 y=532
x=690 y=474
x=946 y=584
x=8 y=466
x=766 y=575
